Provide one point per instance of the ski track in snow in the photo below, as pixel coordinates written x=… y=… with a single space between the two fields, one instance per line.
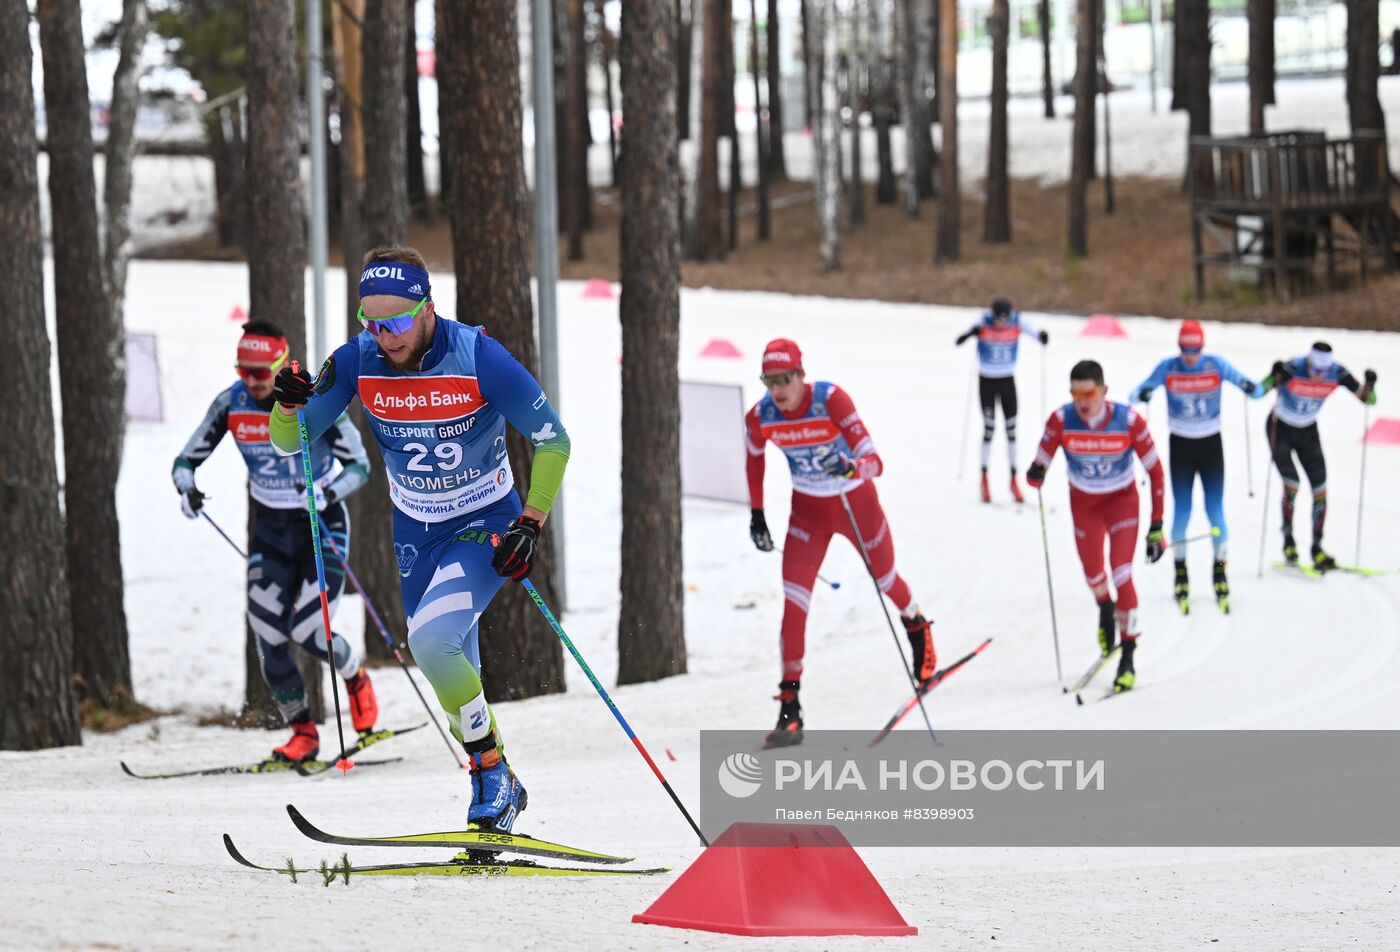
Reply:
x=92 y=859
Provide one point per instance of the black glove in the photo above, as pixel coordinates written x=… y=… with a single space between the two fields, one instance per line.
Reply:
x=515 y=551
x=1156 y=548
x=1044 y=337
x=1143 y=395
x=835 y=464
x=758 y=531
x=1249 y=386
x=191 y=501
x=963 y=337
x=1370 y=376
x=1280 y=372
x=1035 y=475
x=293 y=387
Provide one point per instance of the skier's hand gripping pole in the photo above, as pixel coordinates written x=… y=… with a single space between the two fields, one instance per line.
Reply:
x=880 y=596
x=622 y=721
x=388 y=639
x=343 y=763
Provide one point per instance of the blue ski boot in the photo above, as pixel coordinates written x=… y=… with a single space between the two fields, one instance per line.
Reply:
x=497 y=796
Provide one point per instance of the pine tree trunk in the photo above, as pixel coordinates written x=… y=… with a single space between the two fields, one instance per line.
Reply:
x=912 y=103
x=948 y=246
x=575 y=120
x=1047 y=80
x=224 y=128
x=764 y=131
x=996 y=223
x=37 y=705
x=276 y=239
x=92 y=369
x=651 y=620
x=1259 y=26
x=826 y=134
x=116 y=176
x=1194 y=17
x=809 y=49
x=1082 y=149
x=479 y=73
x=685 y=33
x=1179 y=78
x=382 y=220
x=709 y=236
x=1364 y=68
x=777 y=155
x=413 y=133
x=606 y=54
x=881 y=70
x=1270 y=60
x=731 y=130
x=856 y=69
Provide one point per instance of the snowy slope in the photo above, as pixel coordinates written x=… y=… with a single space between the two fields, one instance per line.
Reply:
x=90 y=858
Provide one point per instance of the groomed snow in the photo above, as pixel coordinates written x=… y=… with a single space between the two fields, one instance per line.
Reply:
x=92 y=859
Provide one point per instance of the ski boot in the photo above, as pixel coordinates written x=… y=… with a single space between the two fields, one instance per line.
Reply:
x=305 y=742
x=1107 y=628
x=497 y=796
x=1222 y=587
x=986 y=488
x=1321 y=560
x=789 y=729
x=1182 y=589
x=364 y=706
x=1016 y=489
x=1127 y=677
x=1290 y=549
x=920 y=632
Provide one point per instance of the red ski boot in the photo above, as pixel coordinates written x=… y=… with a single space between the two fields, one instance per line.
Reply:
x=305 y=743
x=364 y=706
x=1016 y=489
x=986 y=488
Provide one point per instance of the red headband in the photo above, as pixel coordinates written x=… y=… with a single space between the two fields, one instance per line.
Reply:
x=260 y=350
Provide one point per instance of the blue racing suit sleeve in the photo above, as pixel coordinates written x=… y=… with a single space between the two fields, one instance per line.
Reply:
x=517 y=394
x=1153 y=381
x=1230 y=372
x=335 y=387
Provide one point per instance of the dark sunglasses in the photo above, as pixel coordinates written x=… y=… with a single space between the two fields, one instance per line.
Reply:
x=778 y=380
x=254 y=373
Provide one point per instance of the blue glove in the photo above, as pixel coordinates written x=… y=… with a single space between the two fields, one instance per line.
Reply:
x=836 y=464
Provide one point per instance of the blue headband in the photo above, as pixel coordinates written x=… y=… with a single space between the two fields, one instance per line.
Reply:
x=395 y=278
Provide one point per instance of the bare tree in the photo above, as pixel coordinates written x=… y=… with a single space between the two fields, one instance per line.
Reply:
x=855 y=73
x=1193 y=18
x=777 y=155
x=729 y=128
x=92 y=368
x=1047 y=80
x=479 y=72
x=381 y=129
x=276 y=251
x=699 y=13
x=709 y=239
x=607 y=53
x=413 y=124
x=651 y=620
x=916 y=25
x=826 y=132
x=996 y=222
x=37 y=706
x=1363 y=67
x=949 y=197
x=1261 y=24
x=575 y=203
x=881 y=95
x=116 y=177
x=763 y=131
x=1082 y=149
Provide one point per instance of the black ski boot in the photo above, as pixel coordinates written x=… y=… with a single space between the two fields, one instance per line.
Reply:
x=789 y=729
x=1127 y=677
x=1107 y=627
x=1290 y=549
x=1321 y=560
x=1222 y=587
x=1182 y=589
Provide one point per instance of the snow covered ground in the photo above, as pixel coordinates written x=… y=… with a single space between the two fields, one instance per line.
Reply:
x=92 y=859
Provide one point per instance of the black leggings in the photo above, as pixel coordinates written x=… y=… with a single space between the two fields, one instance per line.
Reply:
x=992 y=389
x=1287 y=440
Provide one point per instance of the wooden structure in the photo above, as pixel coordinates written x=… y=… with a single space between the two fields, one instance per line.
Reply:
x=1282 y=202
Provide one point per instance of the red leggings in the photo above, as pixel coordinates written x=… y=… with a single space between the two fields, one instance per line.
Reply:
x=1114 y=515
x=814 y=521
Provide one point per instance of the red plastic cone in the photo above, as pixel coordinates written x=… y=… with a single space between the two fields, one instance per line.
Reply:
x=238 y=314
x=744 y=884
x=719 y=347
x=598 y=289
x=1386 y=430
x=1103 y=325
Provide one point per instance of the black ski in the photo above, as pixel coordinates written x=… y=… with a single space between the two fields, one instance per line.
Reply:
x=306 y=768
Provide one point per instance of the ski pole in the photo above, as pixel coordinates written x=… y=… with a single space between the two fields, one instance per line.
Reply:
x=1361 y=491
x=1043 y=381
x=880 y=596
x=967 y=416
x=1049 y=584
x=384 y=631
x=820 y=576
x=343 y=763
x=1268 y=475
x=224 y=534
x=627 y=728
x=1248 y=456
x=1214 y=533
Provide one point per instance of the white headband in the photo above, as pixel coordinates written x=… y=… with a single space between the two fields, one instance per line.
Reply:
x=1320 y=359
